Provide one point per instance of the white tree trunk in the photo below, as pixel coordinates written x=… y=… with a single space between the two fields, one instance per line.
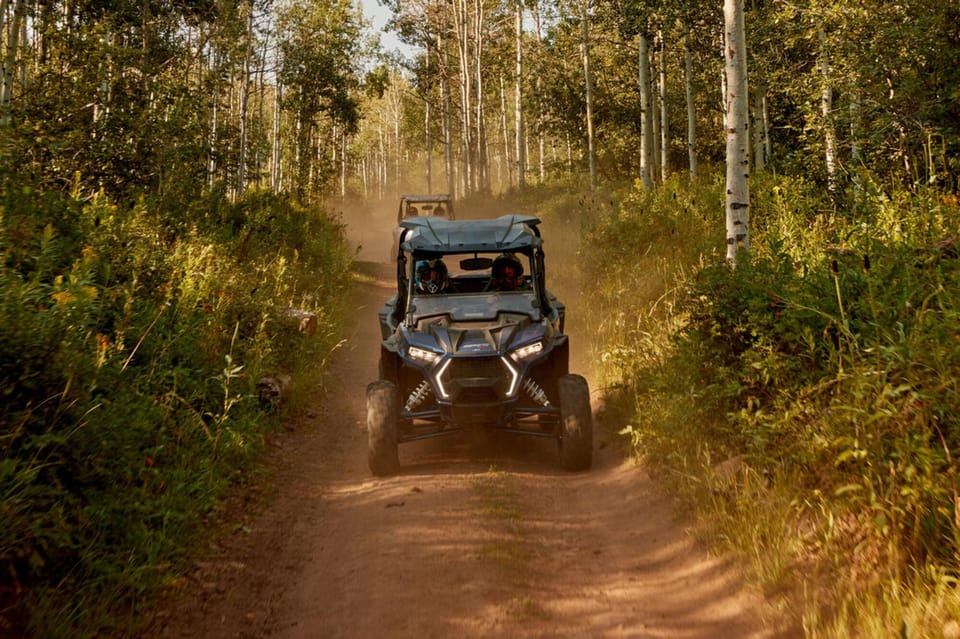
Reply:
x=276 y=174
x=343 y=164
x=483 y=169
x=466 y=99
x=445 y=106
x=737 y=123
x=244 y=106
x=518 y=108
x=9 y=60
x=646 y=115
x=585 y=52
x=261 y=116
x=396 y=112
x=427 y=135
x=664 y=120
x=505 y=130
x=826 y=111
x=541 y=141
x=382 y=164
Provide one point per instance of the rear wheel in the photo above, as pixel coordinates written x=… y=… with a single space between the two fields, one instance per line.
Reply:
x=576 y=423
x=383 y=409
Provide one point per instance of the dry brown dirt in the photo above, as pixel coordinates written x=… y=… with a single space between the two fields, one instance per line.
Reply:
x=465 y=542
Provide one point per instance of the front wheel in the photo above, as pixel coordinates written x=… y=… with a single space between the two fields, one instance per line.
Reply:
x=383 y=410
x=576 y=423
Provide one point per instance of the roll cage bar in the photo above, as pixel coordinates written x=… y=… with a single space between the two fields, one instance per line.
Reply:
x=437 y=237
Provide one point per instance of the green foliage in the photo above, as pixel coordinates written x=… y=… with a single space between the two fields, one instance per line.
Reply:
x=129 y=355
x=823 y=368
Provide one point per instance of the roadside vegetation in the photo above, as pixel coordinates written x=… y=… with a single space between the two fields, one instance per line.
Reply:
x=805 y=404
x=171 y=282
x=133 y=342
x=168 y=176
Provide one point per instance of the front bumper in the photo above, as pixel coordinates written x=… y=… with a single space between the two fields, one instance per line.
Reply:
x=489 y=391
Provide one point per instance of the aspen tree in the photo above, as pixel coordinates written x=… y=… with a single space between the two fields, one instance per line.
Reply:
x=664 y=120
x=826 y=109
x=518 y=117
x=585 y=52
x=646 y=113
x=737 y=124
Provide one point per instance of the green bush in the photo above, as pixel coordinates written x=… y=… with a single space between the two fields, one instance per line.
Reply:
x=130 y=349
x=823 y=366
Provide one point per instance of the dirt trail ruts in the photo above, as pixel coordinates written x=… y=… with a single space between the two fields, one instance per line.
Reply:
x=465 y=542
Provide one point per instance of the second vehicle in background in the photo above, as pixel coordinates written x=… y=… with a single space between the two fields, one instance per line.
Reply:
x=438 y=205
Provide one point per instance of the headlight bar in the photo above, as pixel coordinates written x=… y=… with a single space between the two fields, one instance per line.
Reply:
x=527 y=351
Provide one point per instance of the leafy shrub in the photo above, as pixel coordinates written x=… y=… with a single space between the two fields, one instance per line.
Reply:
x=130 y=348
x=823 y=365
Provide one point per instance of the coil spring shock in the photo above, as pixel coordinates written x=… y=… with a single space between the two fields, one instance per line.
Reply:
x=417 y=396
x=535 y=392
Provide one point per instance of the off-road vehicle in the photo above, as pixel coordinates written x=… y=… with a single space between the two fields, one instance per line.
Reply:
x=431 y=205
x=457 y=354
x=419 y=205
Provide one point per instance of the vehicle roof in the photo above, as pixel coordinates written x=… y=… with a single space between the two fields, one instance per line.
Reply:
x=425 y=198
x=505 y=233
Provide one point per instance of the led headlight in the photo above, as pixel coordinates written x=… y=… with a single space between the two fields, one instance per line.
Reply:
x=423 y=355
x=438 y=379
x=527 y=351
x=514 y=376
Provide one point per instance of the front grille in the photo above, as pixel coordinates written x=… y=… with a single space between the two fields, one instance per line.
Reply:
x=475 y=367
x=476 y=380
x=477 y=396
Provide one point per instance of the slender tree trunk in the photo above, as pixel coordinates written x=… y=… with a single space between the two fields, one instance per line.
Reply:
x=9 y=61
x=646 y=115
x=855 y=124
x=518 y=116
x=3 y=23
x=261 y=116
x=396 y=112
x=541 y=138
x=737 y=122
x=443 y=65
x=585 y=50
x=691 y=107
x=244 y=103
x=461 y=20
x=428 y=126
x=276 y=179
x=364 y=178
x=664 y=120
x=299 y=154
x=757 y=145
x=826 y=111
x=382 y=160
x=101 y=108
x=767 y=143
x=483 y=165
x=506 y=133
x=447 y=132
x=343 y=164
x=214 y=92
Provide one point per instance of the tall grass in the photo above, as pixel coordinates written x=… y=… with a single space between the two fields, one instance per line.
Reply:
x=807 y=400
x=131 y=342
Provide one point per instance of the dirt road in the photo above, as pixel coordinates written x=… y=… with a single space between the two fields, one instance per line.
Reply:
x=463 y=543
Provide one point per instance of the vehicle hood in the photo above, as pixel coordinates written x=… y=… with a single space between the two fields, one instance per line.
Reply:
x=476 y=338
